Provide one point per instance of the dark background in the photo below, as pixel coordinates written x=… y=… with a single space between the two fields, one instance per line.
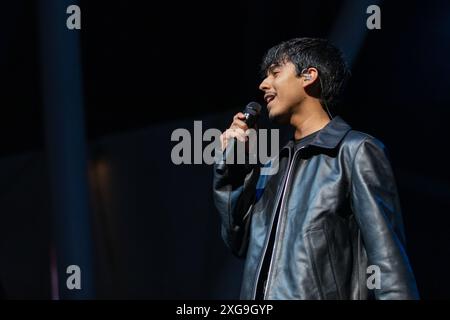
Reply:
x=149 y=68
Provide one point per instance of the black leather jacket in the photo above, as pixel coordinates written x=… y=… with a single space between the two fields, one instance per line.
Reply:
x=338 y=214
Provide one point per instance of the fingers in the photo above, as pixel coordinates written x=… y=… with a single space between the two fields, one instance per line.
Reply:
x=238 y=129
x=239 y=115
x=238 y=122
x=232 y=133
x=236 y=133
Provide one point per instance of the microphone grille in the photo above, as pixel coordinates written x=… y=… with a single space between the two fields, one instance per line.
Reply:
x=253 y=108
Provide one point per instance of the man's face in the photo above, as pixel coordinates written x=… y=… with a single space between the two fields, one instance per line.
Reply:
x=283 y=91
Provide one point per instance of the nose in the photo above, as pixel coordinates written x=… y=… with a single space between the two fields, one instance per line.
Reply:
x=265 y=85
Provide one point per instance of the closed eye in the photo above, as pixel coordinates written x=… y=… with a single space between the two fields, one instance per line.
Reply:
x=274 y=71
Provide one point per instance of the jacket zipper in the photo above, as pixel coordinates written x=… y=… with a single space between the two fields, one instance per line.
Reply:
x=280 y=197
x=280 y=223
x=255 y=286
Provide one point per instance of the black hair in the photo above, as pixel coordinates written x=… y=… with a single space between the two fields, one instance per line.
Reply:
x=317 y=53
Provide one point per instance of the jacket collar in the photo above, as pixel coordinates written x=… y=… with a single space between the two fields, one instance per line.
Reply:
x=330 y=135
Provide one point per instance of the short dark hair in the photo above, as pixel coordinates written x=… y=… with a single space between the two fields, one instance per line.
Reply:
x=317 y=53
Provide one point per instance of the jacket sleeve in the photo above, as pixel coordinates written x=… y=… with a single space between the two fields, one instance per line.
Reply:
x=234 y=191
x=376 y=206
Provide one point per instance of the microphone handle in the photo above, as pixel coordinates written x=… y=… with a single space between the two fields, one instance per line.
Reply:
x=250 y=121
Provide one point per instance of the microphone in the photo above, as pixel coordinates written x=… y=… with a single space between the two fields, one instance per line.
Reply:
x=251 y=112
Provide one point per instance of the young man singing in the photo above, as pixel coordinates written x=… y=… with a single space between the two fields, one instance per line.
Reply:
x=328 y=224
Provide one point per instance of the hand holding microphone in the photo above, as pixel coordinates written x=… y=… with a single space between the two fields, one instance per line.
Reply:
x=242 y=121
x=237 y=131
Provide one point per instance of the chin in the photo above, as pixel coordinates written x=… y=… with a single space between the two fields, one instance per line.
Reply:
x=278 y=117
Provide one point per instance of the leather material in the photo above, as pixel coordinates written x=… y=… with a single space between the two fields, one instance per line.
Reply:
x=339 y=214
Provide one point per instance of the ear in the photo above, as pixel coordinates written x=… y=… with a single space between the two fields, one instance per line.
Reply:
x=310 y=75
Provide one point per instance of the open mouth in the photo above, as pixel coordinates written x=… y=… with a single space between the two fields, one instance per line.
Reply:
x=269 y=97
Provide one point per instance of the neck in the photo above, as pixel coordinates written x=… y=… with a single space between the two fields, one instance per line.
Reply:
x=309 y=118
